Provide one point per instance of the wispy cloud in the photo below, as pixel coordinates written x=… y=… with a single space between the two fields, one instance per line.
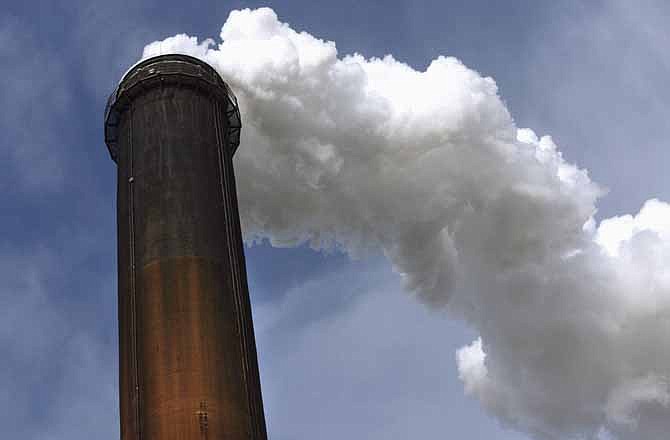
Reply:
x=34 y=97
x=59 y=379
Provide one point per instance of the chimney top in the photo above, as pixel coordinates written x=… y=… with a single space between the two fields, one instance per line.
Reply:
x=170 y=69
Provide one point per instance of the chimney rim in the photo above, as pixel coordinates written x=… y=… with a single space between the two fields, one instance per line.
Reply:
x=212 y=80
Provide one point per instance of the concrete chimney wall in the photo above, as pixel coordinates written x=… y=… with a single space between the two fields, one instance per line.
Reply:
x=188 y=365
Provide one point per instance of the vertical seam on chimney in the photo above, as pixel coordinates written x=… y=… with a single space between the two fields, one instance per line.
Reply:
x=233 y=262
x=251 y=370
x=133 y=292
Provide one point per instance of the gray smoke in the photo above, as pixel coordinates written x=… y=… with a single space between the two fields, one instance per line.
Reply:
x=480 y=217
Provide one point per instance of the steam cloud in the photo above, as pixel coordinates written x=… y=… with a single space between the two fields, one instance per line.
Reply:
x=481 y=218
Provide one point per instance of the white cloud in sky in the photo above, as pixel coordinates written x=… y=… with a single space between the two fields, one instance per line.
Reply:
x=615 y=232
x=478 y=216
x=472 y=367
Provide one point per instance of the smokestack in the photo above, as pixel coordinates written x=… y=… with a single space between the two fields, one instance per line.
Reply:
x=187 y=356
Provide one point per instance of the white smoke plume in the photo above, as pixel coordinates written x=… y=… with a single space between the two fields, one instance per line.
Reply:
x=483 y=219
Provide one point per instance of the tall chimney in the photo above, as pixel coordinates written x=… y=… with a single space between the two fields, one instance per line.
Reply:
x=187 y=356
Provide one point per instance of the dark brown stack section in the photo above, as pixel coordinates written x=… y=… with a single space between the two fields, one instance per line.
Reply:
x=188 y=367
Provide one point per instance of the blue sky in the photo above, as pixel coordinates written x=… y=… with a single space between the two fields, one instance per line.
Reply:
x=344 y=351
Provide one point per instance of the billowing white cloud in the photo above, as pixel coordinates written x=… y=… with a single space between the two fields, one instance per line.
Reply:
x=472 y=367
x=481 y=218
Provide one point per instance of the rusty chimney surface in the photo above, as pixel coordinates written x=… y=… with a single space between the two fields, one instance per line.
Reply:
x=187 y=356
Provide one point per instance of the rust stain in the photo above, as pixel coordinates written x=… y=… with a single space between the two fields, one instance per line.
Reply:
x=189 y=350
